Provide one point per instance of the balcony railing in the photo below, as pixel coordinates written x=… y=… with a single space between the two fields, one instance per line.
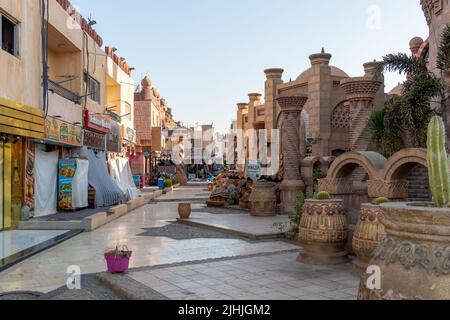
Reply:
x=63 y=92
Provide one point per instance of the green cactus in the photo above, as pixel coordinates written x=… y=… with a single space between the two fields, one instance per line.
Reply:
x=438 y=163
x=381 y=200
x=323 y=195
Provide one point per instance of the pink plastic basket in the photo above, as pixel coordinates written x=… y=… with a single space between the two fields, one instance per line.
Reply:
x=116 y=263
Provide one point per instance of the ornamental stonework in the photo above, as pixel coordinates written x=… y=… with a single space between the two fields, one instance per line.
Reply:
x=435 y=261
x=432 y=8
x=396 y=189
x=336 y=186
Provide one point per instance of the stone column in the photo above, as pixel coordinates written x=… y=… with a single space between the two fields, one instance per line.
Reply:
x=291 y=109
x=360 y=92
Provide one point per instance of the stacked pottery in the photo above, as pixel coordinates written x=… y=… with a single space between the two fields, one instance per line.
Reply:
x=368 y=235
x=324 y=232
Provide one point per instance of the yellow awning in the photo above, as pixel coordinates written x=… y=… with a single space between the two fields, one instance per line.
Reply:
x=21 y=120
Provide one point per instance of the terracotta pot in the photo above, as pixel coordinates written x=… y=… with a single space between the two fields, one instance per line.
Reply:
x=324 y=232
x=368 y=235
x=263 y=201
x=184 y=210
x=414 y=258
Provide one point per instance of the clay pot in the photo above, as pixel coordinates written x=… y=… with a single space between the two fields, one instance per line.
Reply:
x=368 y=235
x=324 y=232
x=215 y=204
x=414 y=258
x=184 y=210
x=263 y=201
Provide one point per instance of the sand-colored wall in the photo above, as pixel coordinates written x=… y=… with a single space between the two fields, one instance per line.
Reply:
x=20 y=77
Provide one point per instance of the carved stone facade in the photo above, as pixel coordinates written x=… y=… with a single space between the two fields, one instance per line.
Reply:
x=291 y=109
x=326 y=116
x=432 y=8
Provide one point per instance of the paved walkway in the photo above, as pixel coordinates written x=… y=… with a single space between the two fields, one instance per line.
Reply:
x=240 y=223
x=264 y=277
x=47 y=270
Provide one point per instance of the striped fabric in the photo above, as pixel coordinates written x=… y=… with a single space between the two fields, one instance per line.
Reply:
x=107 y=193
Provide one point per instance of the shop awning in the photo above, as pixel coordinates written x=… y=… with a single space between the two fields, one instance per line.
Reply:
x=21 y=120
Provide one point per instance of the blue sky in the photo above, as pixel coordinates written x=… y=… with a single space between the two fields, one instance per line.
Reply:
x=204 y=56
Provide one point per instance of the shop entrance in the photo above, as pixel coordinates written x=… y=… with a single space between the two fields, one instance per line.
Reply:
x=11 y=181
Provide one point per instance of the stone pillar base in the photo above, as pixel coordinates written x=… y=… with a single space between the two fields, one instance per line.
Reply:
x=289 y=191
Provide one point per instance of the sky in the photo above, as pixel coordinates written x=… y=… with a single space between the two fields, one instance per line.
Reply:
x=204 y=56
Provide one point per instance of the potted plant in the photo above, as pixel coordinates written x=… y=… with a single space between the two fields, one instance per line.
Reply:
x=368 y=235
x=118 y=259
x=414 y=258
x=184 y=210
x=263 y=200
x=323 y=231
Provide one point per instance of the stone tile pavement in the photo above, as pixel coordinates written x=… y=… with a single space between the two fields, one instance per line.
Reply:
x=47 y=270
x=274 y=276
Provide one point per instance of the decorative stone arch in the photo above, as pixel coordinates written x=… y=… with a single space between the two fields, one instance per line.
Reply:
x=401 y=162
x=344 y=165
x=308 y=165
x=393 y=182
x=340 y=182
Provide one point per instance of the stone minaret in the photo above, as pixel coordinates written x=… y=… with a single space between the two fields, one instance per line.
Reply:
x=319 y=100
x=273 y=80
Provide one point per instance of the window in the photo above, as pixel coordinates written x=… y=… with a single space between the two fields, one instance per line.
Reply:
x=9 y=35
x=93 y=88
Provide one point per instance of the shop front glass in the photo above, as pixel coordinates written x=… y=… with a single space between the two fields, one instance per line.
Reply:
x=11 y=181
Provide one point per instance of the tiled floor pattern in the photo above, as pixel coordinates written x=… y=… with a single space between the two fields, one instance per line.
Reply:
x=267 y=277
x=47 y=271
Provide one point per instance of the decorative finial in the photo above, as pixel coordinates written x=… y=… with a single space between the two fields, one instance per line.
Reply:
x=323 y=50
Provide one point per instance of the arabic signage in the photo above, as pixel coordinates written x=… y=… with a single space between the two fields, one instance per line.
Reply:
x=62 y=132
x=113 y=141
x=97 y=122
x=129 y=134
x=94 y=140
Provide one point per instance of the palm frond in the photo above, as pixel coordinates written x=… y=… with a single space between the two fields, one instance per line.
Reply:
x=443 y=56
x=403 y=64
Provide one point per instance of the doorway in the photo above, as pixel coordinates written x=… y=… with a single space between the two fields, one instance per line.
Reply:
x=11 y=181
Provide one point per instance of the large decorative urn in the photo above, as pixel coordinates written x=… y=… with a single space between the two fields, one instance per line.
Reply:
x=369 y=233
x=263 y=200
x=324 y=232
x=414 y=258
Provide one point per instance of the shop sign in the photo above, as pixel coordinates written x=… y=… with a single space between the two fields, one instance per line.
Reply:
x=66 y=172
x=253 y=170
x=97 y=122
x=129 y=134
x=94 y=140
x=113 y=143
x=62 y=132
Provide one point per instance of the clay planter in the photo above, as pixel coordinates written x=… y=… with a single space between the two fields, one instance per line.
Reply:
x=184 y=210
x=263 y=201
x=368 y=235
x=414 y=258
x=324 y=232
